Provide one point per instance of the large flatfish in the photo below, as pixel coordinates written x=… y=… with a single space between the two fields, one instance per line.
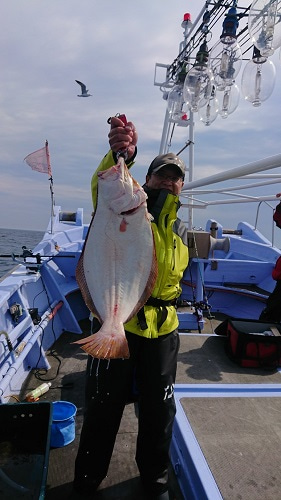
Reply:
x=117 y=268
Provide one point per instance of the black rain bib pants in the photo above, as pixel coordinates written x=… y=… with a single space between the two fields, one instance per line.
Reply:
x=152 y=365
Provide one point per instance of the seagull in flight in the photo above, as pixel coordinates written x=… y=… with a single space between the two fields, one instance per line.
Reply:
x=84 y=91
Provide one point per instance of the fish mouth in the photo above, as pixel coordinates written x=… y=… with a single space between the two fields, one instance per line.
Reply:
x=132 y=210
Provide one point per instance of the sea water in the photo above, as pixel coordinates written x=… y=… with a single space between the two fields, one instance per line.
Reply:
x=12 y=241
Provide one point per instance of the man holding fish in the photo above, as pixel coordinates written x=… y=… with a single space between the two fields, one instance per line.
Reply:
x=138 y=246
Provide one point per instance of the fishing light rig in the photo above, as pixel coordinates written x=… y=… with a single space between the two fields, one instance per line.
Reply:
x=227 y=40
x=201 y=76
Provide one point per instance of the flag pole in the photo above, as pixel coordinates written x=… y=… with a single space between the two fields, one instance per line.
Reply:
x=40 y=161
x=51 y=183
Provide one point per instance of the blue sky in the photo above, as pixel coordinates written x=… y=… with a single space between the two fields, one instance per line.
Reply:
x=113 y=47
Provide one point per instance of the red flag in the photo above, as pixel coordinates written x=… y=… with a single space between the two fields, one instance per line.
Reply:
x=40 y=160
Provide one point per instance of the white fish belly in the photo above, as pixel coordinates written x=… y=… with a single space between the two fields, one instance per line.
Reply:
x=118 y=263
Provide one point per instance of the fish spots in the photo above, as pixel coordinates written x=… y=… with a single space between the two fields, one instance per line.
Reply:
x=115 y=310
x=123 y=225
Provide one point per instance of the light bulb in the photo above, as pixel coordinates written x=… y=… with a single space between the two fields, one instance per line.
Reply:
x=226 y=55
x=264 y=25
x=209 y=111
x=225 y=62
x=228 y=99
x=175 y=104
x=258 y=80
x=198 y=82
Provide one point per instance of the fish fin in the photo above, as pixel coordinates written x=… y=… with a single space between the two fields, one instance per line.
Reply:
x=82 y=283
x=103 y=346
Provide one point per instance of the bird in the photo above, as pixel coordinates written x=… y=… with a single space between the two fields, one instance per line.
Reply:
x=84 y=91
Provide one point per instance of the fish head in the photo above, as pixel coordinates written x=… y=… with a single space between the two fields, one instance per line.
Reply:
x=119 y=189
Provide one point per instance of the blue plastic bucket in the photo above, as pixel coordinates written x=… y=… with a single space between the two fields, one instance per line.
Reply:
x=63 y=424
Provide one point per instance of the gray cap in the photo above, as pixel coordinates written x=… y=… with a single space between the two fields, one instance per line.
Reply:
x=167 y=159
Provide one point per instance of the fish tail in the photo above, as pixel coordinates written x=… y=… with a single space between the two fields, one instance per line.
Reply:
x=105 y=347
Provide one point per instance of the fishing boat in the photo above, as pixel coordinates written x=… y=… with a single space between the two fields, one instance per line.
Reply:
x=222 y=427
x=40 y=298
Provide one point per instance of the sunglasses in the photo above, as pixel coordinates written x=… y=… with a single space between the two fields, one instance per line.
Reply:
x=173 y=178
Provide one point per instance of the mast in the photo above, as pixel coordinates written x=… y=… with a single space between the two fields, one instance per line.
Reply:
x=188 y=27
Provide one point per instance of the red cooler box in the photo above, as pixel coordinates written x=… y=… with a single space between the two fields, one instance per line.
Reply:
x=252 y=343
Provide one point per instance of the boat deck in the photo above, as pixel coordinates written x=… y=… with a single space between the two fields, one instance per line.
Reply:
x=122 y=481
x=239 y=437
x=227 y=425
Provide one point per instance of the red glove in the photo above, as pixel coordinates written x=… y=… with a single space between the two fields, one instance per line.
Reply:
x=122 y=137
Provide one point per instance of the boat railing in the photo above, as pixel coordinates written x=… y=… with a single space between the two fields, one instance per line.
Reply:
x=32 y=346
x=251 y=177
x=257 y=216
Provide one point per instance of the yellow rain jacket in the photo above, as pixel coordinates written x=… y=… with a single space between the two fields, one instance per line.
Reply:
x=170 y=237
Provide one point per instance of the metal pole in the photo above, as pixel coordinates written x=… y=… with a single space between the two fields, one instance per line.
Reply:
x=250 y=168
x=164 y=139
x=191 y=167
x=52 y=206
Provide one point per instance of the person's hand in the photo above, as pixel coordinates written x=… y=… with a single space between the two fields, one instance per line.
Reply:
x=122 y=137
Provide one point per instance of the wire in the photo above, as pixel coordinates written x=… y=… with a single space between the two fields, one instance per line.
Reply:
x=13 y=396
x=39 y=373
x=215 y=14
